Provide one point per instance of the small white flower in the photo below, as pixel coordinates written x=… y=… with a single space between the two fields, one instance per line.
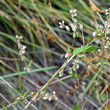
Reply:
x=99 y=50
x=50 y=98
x=74 y=11
x=23 y=47
x=54 y=92
x=28 y=69
x=17 y=37
x=107 y=38
x=19 y=98
x=23 y=51
x=105 y=47
x=66 y=55
x=94 y=33
x=106 y=10
x=71 y=11
x=99 y=34
x=75 y=14
x=61 y=24
x=106 y=13
x=56 y=98
x=20 y=37
x=70 y=71
x=60 y=74
x=77 y=66
x=89 y=66
x=19 y=45
x=81 y=26
x=62 y=56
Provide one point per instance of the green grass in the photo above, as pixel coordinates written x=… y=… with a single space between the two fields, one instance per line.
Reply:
x=32 y=71
x=36 y=22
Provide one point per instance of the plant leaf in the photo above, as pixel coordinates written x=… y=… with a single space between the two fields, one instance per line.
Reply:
x=103 y=61
x=68 y=49
x=30 y=64
x=81 y=49
x=74 y=75
x=25 y=93
x=91 y=49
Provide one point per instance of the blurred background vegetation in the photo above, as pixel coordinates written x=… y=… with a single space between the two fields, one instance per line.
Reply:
x=38 y=22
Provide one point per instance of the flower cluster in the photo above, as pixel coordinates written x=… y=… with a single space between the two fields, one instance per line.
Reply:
x=75 y=65
x=47 y=96
x=107 y=11
x=60 y=73
x=61 y=24
x=67 y=55
x=73 y=14
x=83 y=84
x=22 y=48
x=73 y=25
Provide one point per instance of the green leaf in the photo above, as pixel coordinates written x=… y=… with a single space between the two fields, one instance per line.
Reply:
x=4 y=108
x=17 y=91
x=81 y=49
x=91 y=49
x=76 y=108
x=101 y=96
x=30 y=64
x=74 y=75
x=25 y=93
x=103 y=61
x=68 y=49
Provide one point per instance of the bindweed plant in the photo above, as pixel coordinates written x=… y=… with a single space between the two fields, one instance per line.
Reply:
x=94 y=56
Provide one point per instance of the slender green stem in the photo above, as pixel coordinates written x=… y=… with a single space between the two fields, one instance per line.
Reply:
x=24 y=82
x=24 y=79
